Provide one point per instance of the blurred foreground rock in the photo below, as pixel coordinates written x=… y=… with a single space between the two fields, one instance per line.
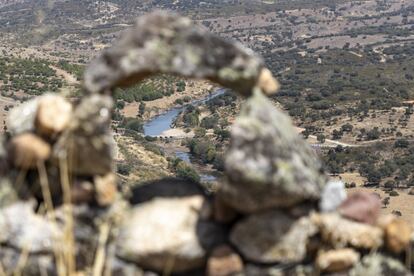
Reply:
x=224 y=262
x=170 y=233
x=337 y=260
x=268 y=165
x=284 y=241
x=22 y=229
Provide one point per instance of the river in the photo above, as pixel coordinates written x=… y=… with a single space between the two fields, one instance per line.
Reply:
x=161 y=123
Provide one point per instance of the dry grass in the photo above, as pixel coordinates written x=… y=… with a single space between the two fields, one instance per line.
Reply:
x=100 y=256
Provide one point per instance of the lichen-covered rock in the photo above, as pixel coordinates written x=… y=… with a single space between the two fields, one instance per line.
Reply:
x=53 y=114
x=88 y=144
x=168 y=232
x=163 y=42
x=361 y=206
x=340 y=232
x=272 y=237
x=21 y=228
x=337 y=260
x=268 y=164
x=379 y=265
x=27 y=150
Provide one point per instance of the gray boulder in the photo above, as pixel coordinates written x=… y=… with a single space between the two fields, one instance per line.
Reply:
x=273 y=237
x=268 y=164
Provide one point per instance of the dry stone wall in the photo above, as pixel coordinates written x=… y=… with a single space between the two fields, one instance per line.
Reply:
x=275 y=213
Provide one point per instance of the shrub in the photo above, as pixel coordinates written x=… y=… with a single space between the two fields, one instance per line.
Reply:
x=209 y=122
x=185 y=171
x=179 y=101
x=219 y=162
x=394 y=193
x=386 y=201
x=373 y=134
x=133 y=124
x=120 y=104
x=401 y=143
x=150 y=138
x=124 y=168
x=396 y=213
x=199 y=132
x=180 y=86
x=321 y=138
x=350 y=185
x=389 y=184
x=154 y=148
x=222 y=133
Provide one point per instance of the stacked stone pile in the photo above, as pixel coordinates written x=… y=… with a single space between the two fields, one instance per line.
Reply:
x=50 y=134
x=55 y=153
x=275 y=213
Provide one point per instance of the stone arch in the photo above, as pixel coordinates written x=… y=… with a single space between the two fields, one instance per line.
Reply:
x=162 y=42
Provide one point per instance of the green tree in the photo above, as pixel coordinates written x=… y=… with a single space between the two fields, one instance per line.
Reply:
x=321 y=138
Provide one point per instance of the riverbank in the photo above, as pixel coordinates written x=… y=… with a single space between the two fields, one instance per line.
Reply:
x=158 y=125
x=177 y=133
x=206 y=171
x=162 y=126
